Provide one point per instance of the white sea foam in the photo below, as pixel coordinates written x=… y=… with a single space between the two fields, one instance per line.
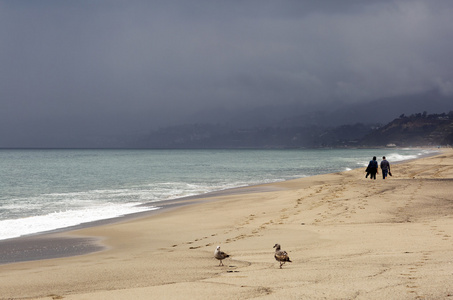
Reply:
x=36 y=224
x=395 y=157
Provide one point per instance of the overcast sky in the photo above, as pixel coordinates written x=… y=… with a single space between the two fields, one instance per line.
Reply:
x=135 y=64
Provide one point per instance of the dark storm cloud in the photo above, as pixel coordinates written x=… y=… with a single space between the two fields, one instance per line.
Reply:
x=100 y=66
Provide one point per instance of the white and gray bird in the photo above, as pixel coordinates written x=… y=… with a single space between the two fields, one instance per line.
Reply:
x=280 y=255
x=220 y=255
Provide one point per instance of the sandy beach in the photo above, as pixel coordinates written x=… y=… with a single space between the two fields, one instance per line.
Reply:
x=348 y=237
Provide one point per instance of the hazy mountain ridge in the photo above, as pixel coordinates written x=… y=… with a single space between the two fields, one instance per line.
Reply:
x=283 y=126
x=380 y=111
x=206 y=136
x=418 y=129
x=312 y=126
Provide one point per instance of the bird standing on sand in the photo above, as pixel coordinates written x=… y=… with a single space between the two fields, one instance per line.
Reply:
x=220 y=255
x=280 y=255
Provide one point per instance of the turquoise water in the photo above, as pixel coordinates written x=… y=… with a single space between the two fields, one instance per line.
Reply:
x=42 y=190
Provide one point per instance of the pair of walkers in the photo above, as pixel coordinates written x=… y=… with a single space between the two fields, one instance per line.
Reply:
x=373 y=168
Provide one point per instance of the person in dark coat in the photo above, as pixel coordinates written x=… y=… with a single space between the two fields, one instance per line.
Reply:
x=372 y=168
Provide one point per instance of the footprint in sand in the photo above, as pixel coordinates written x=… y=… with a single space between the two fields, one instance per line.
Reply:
x=445 y=236
x=412 y=277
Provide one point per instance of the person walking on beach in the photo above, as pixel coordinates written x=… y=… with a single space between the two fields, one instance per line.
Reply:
x=385 y=167
x=372 y=168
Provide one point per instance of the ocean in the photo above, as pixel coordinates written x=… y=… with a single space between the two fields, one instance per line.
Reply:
x=44 y=190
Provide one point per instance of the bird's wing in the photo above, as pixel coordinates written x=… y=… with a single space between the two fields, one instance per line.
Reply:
x=281 y=254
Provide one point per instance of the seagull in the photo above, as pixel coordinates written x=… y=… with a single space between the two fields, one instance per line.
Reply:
x=280 y=255
x=220 y=255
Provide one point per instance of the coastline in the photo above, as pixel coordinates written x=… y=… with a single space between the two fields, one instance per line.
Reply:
x=56 y=244
x=347 y=236
x=59 y=243
x=60 y=210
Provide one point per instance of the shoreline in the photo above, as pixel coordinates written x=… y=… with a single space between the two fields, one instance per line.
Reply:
x=52 y=225
x=58 y=243
x=348 y=238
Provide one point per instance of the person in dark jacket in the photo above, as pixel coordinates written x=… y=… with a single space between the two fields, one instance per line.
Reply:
x=385 y=167
x=372 y=168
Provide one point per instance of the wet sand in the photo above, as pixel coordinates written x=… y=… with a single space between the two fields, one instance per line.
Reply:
x=56 y=244
x=348 y=238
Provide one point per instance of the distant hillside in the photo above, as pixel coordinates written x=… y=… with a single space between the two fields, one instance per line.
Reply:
x=387 y=109
x=334 y=114
x=418 y=129
x=209 y=136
